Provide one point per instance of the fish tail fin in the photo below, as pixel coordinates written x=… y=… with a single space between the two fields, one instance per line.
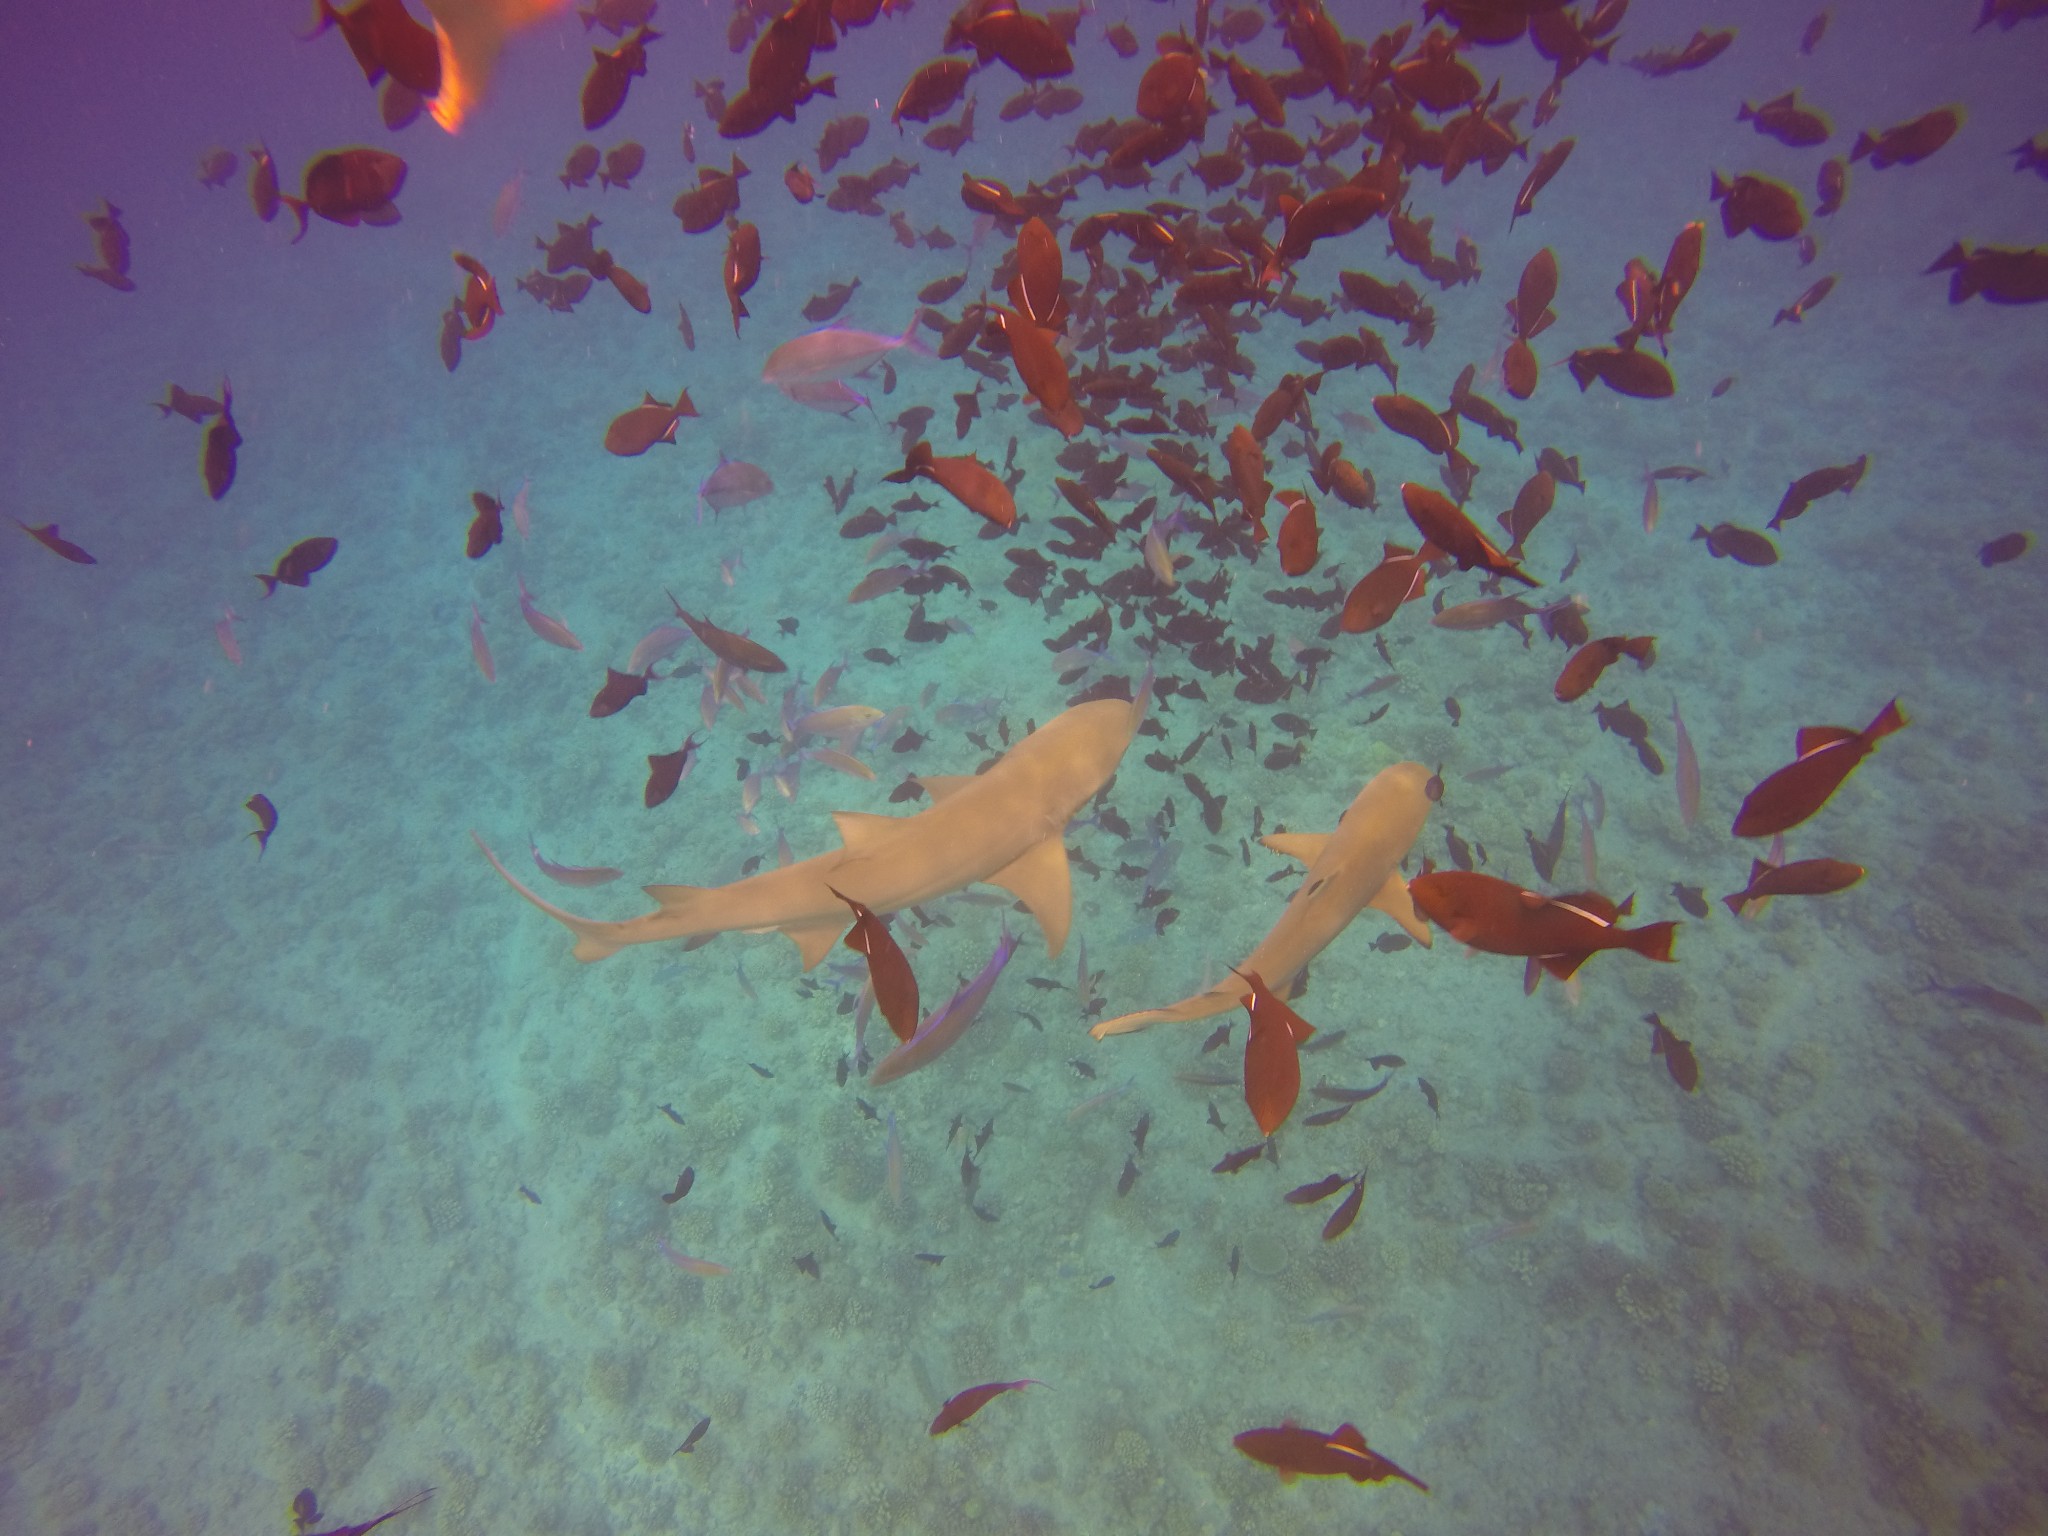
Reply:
x=1890 y=718
x=323 y=18
x=269 y=582
x=301 y=208
x=1736 y=903
x=909 y=340
x=1652 y=941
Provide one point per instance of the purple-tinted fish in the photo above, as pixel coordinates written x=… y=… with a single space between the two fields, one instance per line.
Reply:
x=571 y=874
x=948 y=1023
x=734 y=483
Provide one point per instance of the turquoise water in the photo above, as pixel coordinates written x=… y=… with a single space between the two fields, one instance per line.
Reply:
x=330 y=1168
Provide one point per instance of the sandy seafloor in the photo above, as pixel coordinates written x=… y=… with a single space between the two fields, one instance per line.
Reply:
x=266 y=1121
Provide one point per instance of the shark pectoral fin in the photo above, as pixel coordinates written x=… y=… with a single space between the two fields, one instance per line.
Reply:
x=1394 y=900
x=814 y=940
x=1305 y=846
x=940 y=785
x=1040 y=880
x=859 y=829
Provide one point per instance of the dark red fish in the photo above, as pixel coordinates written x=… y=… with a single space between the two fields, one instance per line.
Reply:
x=1802 y=877
x=1586 y=664
x=487 y=528
x=1679 y=1060
x=2009 y=546
x=48 y=536
x=480 y=303
x=1745 y=546
x=1909 y=143
x=665 y=770
x=265 y=813
x=1559 y=932
x=965 y=478
x=1400 y=577
x=370 y=1525
x=932 y=90
x=734 y=650
x=1272 y=1054
x=633 y=432
x=604 y=88
x=296 y=566
x=1296 y=1452
x=2002 y=274
x=1757 y=203
x=1827 y=754
x=742 y=269
x=889 y=972
x=962 y=1406
x=619 y=690
x=1443 y=524
x=350 y=187
x=181 y=401
x=1625 y=370
x=385 y=40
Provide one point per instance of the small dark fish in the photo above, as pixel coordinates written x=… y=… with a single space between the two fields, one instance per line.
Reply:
x=1128 y=1177
x=759 y=1070
x=1331 y=1093
x=1991 y=1000
x=1106 y=1280
x=670 y=1111
x=2006 y=547
x=831 y=1227
x=390 y=1514
x=1140 y=1131
x=619 y=690
x=1321 y=1189
x=1232 y=1161
x=295 y=567
x=1169 y=1240
x=1329 y=1116
x=683 y=327
x=808 y=1263
x=1429 y=1093
x=1214 y=1118
x=1234 y=1255
x=665 y=770
x=1452 y=709
x=1085 y=1068
x=217 y=448
x=1382 y=1063
x=1341 y=1218
x=531 y=1197
x=684 y=1181
x=867 y=1109
x=265 y=813
x=690 y=1443
x=1677 y=1054
x=933 y=1259
x=1219 y=1038
x=487 y=528
x=1693 y=898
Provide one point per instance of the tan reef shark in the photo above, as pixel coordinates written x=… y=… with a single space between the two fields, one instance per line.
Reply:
x=1355 y=867
x=1006 y=826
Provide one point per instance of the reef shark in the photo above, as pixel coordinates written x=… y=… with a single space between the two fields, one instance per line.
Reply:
x=1006 y=826
x=1355 y=867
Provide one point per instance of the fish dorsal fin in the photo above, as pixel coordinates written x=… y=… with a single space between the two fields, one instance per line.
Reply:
x=1393 y=899
x=1305 y=846
x=815 y=940
x=1347 y=1435
x=647 y=399
x=1041 y=881
x=861 y=829
x=941 y=785
x=1813 y=737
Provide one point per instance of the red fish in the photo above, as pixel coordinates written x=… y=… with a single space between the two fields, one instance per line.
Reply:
x=1444 y=525
x=633 y=432
x=1559 y=932
x=666 y=770
x=962 y=1406
x=265 y=813
x=1757 y=203
x=742 y=269
x=1583 y=670
x=932 y=90
x=487 y=528
x=1626 y=371
x=1909 y=143
x=480 y=303
x=1679 y=1060
x=217 y=447
x=350 y=187
x=734 y=650
x=965 y=478
x=385 y=40
x=295 y=567
x=2002 y=274
x=1400 y=577
x=1300 y=536
x=1296 y=1452
x=1802 y=877
x=619 y=690
x=1272 y=1054
x=889 y=972
x=1827 y=754
x=604 y=88
x=1783 y=119
x=48 y=536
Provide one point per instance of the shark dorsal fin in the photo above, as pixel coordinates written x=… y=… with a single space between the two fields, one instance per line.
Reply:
x=1394 y=900
x=1041 y=881
x=940 y=785
x=1305 y=846
x=815 y=940
x=859 y=829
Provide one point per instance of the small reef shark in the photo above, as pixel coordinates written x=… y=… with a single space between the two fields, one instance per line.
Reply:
x=1354 y=867
x=1006 y=826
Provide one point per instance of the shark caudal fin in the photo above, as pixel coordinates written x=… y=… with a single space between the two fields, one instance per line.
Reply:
x=472 y=34
x=594 y=940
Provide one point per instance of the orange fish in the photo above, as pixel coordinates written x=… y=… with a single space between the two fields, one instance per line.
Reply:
x=932 y=90
x=481 y=305
x=962 y=1406
x=1272 y=1054
x=1442 y=523
x=964 y=477
x=1827 y=754
x=604 y=88
x=1802 y=877
x=633 y=432
x=1679 y=1060
x=1626 y=371
x=1042 y=369
x=889 y=973
x=1583 y=670
x=1296 y=1452
x=1412 y=419
x=1247 y=461
x=1909 y=143
x=1300 y=537
x=734 y=650
x=1560 y=933
x=1400 y=577
x=742 y=269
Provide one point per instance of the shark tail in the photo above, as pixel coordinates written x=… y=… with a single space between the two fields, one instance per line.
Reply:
x=594 y=940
